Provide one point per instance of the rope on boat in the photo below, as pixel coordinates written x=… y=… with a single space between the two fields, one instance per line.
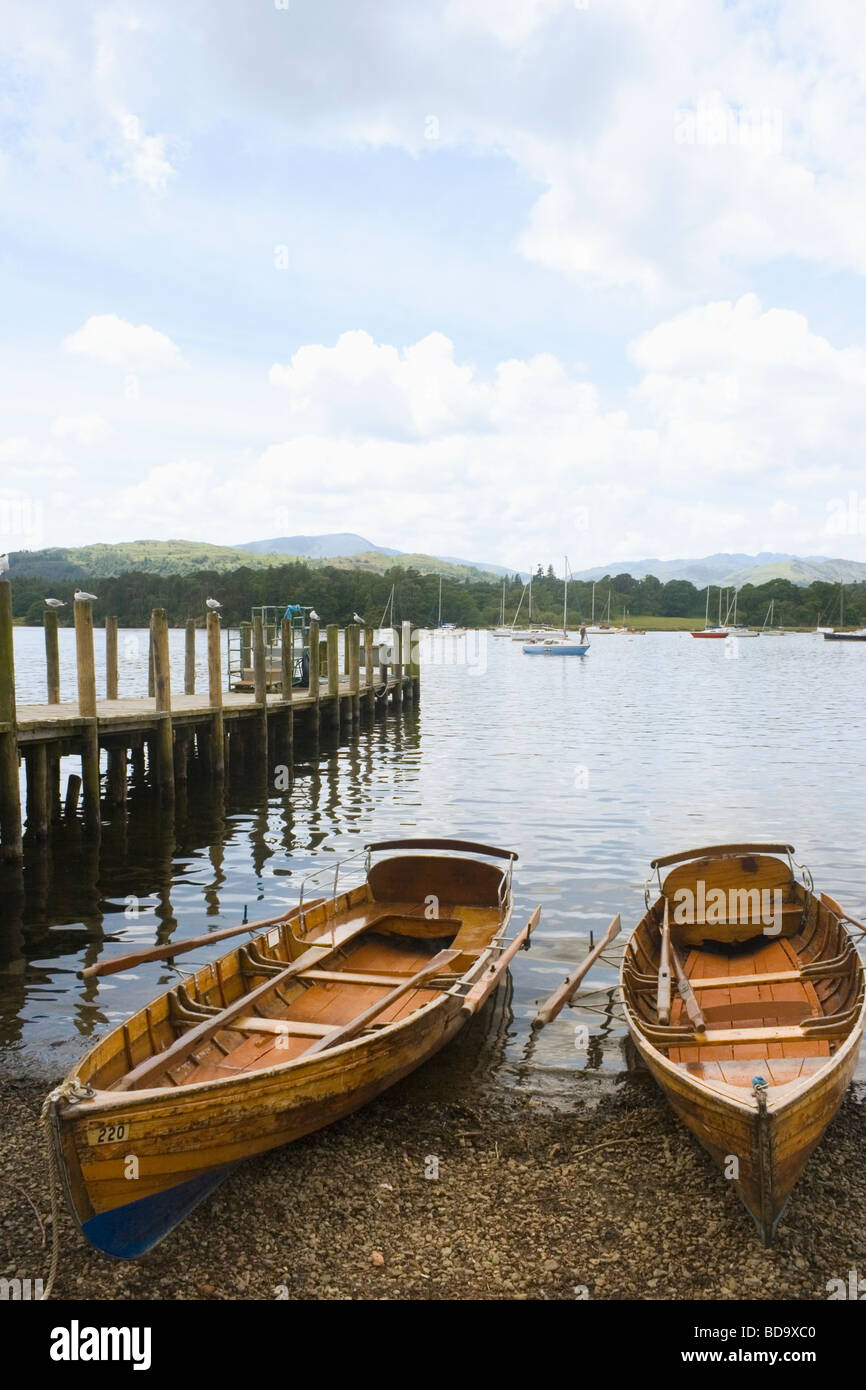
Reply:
x=72 y=1091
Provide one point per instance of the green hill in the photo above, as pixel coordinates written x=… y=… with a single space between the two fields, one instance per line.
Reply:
x=194 y=557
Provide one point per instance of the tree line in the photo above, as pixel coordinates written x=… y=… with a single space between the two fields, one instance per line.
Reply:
x=337 y=593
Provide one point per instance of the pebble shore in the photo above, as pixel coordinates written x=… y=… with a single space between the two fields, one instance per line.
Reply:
x=498 y=1196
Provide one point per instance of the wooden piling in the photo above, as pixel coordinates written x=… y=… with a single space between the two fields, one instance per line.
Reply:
x=260 y=676
x=397 y=671
x=315 y=688
x=162 y=695
x=415 y=664
x=151 y=686
x=52 y=656
x=11 y=843
x=111 y=658
x=73 y=789
x=369 y=691
x=87 y=710
x=332 y=633
x=406 y=646
x=216 y=749
x=38 y=804
x=287 y=650
x=116 y=780
x=354 y=669
x=189 y=659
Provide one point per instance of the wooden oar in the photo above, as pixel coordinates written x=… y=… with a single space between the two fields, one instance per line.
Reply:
x=177 y=948
x=561 y=996
x=483 y=988
x=840 y=912
x=692 y=1006
x=663 y=996
x=359 y=1023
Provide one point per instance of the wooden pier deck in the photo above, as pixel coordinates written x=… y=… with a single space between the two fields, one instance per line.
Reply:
x=45 y=723
x=169 y=729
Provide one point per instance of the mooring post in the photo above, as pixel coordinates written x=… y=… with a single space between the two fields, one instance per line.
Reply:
x=111 y=658
x=347 y=647
x=260 y=675
x=407 y=661
x=397 y=696
x=415 y=664
x=87 y=710
x=116 y=779
x=369 y=691
x=73 y=789
x=11 y=844
x=162 y=684
x=52 y=656
x=246 y=649
x=287 y=654
x=332 y=633
x=355 y=671
x=315 y=684
x=151 y=687
x=38 y=804
x=189 y=659
x=217 y=743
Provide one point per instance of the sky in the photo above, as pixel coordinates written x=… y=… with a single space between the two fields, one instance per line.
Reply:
x=500 y=279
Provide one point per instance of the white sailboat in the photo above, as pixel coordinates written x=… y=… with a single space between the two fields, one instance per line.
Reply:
x=605 y=629
x=545 y=645
x=768 y=630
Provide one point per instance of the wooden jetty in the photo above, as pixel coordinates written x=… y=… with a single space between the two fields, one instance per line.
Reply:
x=217 y=724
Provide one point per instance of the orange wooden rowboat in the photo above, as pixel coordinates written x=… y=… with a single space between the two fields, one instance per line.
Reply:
x=307 y=1022
x=744 y=995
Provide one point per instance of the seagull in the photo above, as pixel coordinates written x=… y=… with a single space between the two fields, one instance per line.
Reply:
x=314 y=617
x=213 y=604
x=54 y=603
x=356 y=618
x=4 y=562
x=82 y=597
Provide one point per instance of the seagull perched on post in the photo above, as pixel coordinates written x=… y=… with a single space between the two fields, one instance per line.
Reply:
x=81 y=596
x=356 y=618
x=314 y=617
x=54 y=603
x=4 y=562
x=213 y=604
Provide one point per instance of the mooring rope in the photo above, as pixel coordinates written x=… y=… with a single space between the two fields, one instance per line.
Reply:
x=67 y=1090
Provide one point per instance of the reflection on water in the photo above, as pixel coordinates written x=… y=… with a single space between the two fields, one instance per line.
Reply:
x=588 y=768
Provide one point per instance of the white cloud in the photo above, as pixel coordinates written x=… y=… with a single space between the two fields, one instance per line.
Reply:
x=113 y=340
x=88 y=428
x=144 y=156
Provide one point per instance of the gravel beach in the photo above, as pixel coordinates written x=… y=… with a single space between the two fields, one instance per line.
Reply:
x=495 y=1195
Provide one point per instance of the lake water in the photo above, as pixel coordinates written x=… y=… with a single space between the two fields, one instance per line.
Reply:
x=588 y=768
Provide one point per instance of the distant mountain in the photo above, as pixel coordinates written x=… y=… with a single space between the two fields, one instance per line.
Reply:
x=347 y=545
x=733 y=570
x=329 y=547
x=190 y=557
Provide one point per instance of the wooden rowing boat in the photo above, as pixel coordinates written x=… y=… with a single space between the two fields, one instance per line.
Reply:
x=744 y=996
x=306 y=1022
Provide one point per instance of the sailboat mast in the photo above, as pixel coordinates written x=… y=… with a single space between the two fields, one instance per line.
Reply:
x=439 y=624
x=565 y=601
x=707 y=614
x=530 y=598
x=592 y=619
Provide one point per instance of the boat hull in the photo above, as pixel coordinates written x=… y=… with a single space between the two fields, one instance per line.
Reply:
x=771 y=1151
x=277 y=1039
x=756 y=1071
x=186 y=1144
x=556 y=649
